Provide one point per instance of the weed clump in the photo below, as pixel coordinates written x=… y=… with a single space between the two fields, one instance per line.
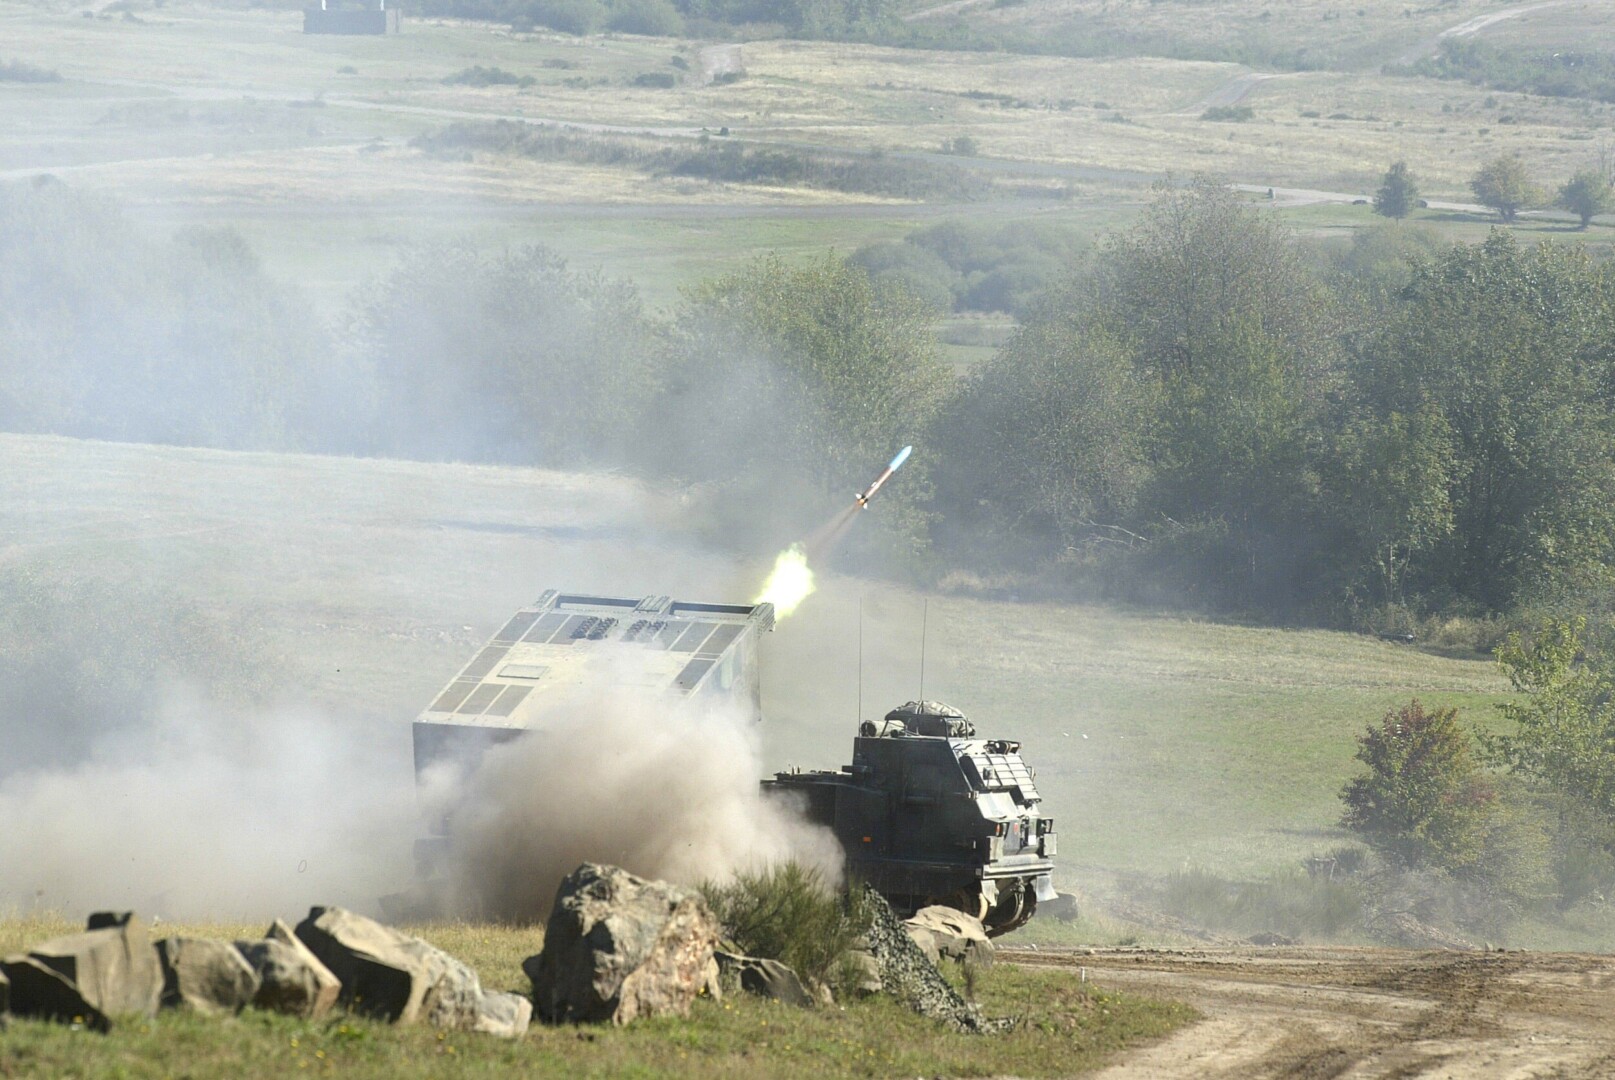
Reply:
x=788 y=912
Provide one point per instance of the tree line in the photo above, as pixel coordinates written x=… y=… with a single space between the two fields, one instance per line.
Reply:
x=1204 y=410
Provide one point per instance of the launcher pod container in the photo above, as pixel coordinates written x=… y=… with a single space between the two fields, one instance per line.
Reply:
x=930 y=814
x=564 y=643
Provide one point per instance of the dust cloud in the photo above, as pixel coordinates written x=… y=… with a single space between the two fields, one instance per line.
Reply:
x=191 y=811
x=664 y=788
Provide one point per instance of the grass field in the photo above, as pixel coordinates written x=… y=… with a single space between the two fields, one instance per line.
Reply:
x=1069 y=1027
x=1158 y=739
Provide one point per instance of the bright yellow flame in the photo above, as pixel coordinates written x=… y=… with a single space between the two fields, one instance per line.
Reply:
x=790 y=583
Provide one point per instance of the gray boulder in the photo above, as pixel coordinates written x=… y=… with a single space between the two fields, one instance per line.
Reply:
x=947 y=933
x=207 y=976
x=5 y=994
x=1064 y=907
x=291 y=979
x=618 y=947
x=42 y=992
x=863 y=961
x=396 y=977
x=766 y=978
x=112 y=964
x=907 y=975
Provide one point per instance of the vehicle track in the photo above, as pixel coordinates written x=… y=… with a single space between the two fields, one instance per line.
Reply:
x=1363 y=1012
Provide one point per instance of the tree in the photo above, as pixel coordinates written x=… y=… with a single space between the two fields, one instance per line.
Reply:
x=1587 y=194
x=505 y=357
x=802 y=376
x=1237 y=340
x=1425 y=801
x=1564 y=728
x=1398 y=194
x=1511 y=347
x=1504 y=185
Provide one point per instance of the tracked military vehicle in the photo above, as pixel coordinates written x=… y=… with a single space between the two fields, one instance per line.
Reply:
x=929 y=813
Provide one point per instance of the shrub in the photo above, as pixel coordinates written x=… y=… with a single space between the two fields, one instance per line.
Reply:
x=486 y=76
x=787 y=912
x=659 y=80
x=1236 y=114
x=17 y=71
x=1424 y=801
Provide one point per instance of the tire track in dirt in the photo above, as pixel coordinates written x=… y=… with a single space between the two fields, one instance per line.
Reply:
x=1362 y=1012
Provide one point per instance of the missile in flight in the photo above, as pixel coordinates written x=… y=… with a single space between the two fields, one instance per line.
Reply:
x=863 y=497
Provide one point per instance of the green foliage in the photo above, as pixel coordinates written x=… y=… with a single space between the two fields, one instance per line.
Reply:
x=720 y=162
x=1560 y=73
x=831 y=370
x=787 y=912
x=109 y=332
x=1047 y=444
x=1587 y=194
x=504 y=357
x=1563 y=734
x=981 y=267
x=653 y=18
x=1425 y=801
x=1294 y=903
x=1504 y=185
x=1398 y=193
x=661 y=80
x=1389 y=481
x=487 y=76
x=1505 y=348
x=1235 y=114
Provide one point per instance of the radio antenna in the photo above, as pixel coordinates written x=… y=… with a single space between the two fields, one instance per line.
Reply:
x=925 y=622
x=860 y=660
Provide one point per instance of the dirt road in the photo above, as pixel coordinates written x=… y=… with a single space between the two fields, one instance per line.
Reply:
x=1358 y=1012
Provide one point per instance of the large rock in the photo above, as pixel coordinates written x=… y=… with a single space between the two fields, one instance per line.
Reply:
x=112 y=964
x=44 y=993
x=618 y=947
x=767 y=978
x=397 y=977
x=291 y=979
x=906 y=973
x=5 y=994
x=208 y=976
x=947 y=933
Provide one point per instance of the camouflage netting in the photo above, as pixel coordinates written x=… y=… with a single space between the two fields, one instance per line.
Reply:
x=907 y=975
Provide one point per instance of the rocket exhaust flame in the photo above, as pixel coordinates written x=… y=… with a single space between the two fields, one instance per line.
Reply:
x=790 y=583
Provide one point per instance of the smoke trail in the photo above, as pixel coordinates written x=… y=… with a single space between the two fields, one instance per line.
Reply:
x=662 y=787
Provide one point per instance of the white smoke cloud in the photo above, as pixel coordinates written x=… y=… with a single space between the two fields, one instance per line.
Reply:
x=663 y=787
x=195 y=812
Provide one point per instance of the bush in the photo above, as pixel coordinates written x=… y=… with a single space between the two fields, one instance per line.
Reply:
x=659 y=80
x=1235 y=114
x=568 y=16
x=489 y=76
x=1424 y=801
x=788 y=913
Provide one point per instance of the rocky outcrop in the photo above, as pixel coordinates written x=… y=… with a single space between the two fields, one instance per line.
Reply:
x=207 y=976
x=291 y=979
x=112 y=966
x=766 y=978
x=391 y=975
x=947 y=933
x=618 y=947
x=907 y=975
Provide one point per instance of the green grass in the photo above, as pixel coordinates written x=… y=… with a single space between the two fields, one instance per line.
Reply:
x=1069 y=1027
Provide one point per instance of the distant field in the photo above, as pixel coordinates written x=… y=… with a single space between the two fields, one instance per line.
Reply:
x=1158 y=740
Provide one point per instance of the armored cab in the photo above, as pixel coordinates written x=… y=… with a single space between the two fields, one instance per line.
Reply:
x=930 y=814
x=563 y=642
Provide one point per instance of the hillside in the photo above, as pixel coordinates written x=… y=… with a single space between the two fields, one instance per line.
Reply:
x=364 y=584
